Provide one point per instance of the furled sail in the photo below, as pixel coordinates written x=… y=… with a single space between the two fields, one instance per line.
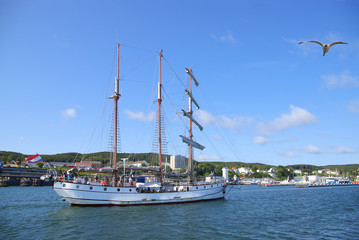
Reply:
x=192 y=143
x=193 y=120
x=192 y=99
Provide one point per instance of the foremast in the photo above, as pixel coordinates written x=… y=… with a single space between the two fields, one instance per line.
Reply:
x=191 y=144
x=115 y=97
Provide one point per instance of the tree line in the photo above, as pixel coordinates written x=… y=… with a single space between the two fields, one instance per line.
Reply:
x=201 y=168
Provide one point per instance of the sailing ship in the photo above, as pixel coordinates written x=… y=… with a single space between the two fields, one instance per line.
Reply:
x=123 y=191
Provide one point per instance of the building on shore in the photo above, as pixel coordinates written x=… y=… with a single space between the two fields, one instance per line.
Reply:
x=177 y=162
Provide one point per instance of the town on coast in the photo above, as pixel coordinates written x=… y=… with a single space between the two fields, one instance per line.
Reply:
x=25 y=173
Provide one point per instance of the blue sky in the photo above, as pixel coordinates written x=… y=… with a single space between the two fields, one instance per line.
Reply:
x=263 y=97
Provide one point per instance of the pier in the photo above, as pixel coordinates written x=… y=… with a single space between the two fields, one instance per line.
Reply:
x=325 y=185
x=12 y=176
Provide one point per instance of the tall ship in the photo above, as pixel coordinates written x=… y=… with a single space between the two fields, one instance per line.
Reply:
x=129 y=189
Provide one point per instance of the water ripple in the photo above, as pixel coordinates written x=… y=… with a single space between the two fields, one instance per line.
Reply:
x=247 y=213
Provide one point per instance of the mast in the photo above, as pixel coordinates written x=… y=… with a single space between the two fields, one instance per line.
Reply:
x=190 y=112
x=115 y=97
x=159 y=100
x=191 y=144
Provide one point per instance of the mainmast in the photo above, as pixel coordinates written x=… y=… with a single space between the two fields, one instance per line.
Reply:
x=159 y=100
x=115 y=97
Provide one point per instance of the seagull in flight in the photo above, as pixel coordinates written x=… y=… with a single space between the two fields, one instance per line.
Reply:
x=324 y=46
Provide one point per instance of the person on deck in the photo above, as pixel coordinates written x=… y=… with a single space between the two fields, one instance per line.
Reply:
x=103 y=183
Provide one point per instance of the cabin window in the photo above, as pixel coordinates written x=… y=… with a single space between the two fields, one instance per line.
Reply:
x=196 y=187
x=77 y=186
x=105 y=189
x=91 y=188
x=64 y=185
x=118 y=189
x=130 y=190
x=204 y=186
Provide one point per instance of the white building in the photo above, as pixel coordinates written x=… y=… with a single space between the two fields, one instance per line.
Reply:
x=244 y=170
x=177 y=162
x=137 y=163
x=225 y=173
x=313 y=178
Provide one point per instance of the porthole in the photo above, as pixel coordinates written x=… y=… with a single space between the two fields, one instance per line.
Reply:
x=91 y=188
x=196 y=187
x=118 y=189
x=64 y=185
x=130 y=190
x=211 y=185
x=77 y=186
x=204 y=186
x=105 y=189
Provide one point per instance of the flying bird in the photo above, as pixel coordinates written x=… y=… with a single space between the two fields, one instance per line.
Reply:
x=324 y=46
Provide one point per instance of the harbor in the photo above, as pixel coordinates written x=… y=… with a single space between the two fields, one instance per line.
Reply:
x=301 y=182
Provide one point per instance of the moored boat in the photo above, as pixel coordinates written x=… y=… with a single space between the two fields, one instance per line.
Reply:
x=124 y=191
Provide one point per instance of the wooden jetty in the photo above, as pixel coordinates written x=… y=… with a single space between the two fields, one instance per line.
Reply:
x=12 y=176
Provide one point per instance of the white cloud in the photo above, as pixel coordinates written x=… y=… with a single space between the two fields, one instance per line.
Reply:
x=217 y=137
x=69 y=113
x=140 y=116
x=313 y=149
x=260 y=140
x=297 y=117
x=227 y=37
x=342 y=149
x=287 y=154
x=353 y=106
x=21 y=138
x=340 y=80
x=208 y=119
x=208 y=158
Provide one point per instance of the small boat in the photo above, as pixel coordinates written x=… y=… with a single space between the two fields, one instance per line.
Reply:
x=125 y=191
x=49 y=176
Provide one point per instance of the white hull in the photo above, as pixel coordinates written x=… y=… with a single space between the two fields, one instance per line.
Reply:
x=83 y=194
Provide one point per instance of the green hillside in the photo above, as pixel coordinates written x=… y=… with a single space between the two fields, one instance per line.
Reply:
x=152 y=159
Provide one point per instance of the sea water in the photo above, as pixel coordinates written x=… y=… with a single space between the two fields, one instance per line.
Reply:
x=248 y=212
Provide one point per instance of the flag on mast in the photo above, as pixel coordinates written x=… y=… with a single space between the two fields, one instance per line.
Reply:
x=34 y=159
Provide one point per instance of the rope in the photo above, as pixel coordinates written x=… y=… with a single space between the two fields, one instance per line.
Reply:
x=174 y=72
x=228 y=138
x=174 y=108
x=232 y=186
x=136 y=68
x=142 y=49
